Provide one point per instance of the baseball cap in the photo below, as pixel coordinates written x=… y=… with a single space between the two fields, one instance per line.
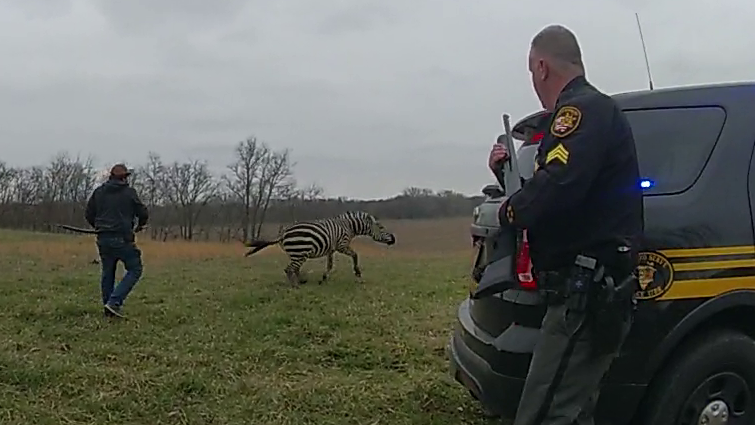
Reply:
x=120 y=170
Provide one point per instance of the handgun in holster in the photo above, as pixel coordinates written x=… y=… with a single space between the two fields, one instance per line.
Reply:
x=612 y=310
x=583 y=278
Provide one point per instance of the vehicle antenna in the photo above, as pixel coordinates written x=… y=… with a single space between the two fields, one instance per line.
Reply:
x=644 y=51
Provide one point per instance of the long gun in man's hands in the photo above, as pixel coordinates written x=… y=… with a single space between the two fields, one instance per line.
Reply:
x=507 y=174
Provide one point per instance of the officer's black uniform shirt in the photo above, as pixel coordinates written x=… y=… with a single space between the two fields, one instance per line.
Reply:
x=585 y=195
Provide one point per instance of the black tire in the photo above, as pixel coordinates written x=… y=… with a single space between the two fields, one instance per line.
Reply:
x=486 y=412
x=721 y=362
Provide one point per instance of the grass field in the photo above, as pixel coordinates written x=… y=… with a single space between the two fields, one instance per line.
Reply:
x=215 y=338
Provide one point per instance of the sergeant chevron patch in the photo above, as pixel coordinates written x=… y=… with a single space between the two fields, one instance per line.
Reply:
x=558 y=153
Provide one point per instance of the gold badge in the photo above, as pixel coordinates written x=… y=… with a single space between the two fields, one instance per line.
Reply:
x=567 y=120
x=655 y=274
x=559 y=152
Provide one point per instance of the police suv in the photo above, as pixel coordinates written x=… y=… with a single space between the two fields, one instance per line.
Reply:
x=690 y=357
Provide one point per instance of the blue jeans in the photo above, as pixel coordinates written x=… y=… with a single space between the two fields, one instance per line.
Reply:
x=113 y=249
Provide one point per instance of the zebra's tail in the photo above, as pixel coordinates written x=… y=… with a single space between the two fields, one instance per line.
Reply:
x=258 y=245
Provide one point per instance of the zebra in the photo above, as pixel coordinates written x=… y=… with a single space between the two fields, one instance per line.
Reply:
x=317 y=238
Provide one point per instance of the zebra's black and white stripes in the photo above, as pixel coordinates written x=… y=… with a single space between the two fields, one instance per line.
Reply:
x=313 y=239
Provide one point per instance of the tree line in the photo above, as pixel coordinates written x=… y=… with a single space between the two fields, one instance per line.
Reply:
x=188 y=201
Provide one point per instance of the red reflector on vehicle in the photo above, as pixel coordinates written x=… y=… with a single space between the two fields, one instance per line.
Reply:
x=524 y=265
x=538 y=136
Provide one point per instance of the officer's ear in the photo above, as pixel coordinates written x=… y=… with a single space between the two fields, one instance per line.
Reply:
x=543 y=70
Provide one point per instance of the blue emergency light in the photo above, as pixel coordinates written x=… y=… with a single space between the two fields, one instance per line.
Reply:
x=646 y=184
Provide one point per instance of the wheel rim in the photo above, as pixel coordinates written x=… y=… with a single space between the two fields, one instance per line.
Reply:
x=722 y=399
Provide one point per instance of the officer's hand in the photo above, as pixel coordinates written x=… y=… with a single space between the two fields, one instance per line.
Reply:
x=498 y=154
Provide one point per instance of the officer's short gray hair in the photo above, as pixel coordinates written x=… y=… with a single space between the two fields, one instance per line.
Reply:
x=559 y=43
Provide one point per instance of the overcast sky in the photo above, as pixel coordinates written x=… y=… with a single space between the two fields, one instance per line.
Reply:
x=371 y=96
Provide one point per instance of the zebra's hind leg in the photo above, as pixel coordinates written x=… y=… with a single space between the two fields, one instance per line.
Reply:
x=293 y=272
x=293 y=277
x=328 y=269
x=354 y=260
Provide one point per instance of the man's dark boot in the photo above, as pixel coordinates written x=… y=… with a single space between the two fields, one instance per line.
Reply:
x=114 y=311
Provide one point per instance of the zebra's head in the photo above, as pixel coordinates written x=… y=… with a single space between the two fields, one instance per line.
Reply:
x=367 y=225
x=378 y=233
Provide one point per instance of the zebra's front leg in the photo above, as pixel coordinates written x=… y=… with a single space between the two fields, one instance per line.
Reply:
x=328 y=269
x=354 y=259
x=293 y=273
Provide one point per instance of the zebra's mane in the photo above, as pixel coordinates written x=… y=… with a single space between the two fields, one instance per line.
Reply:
x=354 y=218
x=348 y=218
x=354 y=214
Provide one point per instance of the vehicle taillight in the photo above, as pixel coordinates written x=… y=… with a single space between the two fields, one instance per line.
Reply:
x=535 y=139
x=524 y=265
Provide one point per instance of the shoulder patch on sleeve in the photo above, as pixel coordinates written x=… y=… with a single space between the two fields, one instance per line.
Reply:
x=558 y=153
x=509 y=213
x=567 y=120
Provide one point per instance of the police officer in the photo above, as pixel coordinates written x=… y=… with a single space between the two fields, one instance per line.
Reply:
x=583 y=213
x=112 y=210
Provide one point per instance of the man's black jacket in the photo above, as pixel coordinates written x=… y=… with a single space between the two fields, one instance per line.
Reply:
x=585 y=195
x=113 y=207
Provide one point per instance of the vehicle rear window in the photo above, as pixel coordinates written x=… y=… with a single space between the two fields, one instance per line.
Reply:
x=526 y=159
x=674 y=144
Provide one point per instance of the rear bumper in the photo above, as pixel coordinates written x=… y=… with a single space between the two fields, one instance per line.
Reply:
x=499 y=392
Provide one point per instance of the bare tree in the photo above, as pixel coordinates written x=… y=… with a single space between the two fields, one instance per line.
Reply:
x=224 y=217
x=189 y=188
x=417 y=192
x=275 y=176
x=7 y=177
x=244 y=172
x=8 y=187
x=150 y=182
x=66 y=184
x=257 y=176
x=297 y=198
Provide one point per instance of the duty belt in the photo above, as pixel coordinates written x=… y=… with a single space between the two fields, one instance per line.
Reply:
x=552 y=286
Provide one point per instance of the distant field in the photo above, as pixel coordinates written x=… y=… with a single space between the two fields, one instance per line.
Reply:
x=215 y=338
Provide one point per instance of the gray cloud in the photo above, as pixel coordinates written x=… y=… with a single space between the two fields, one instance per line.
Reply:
x=139 y=17
x=358 y=16
x=40 y=9
x=371 y=96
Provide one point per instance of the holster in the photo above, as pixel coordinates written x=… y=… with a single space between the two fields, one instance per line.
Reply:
x=571 y=286
x=579 y=287
x=590 y=288
x=612 y=311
